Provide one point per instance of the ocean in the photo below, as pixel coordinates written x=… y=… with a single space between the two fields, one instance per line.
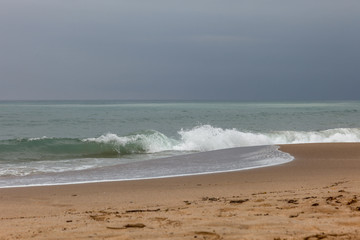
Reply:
x=65 y=142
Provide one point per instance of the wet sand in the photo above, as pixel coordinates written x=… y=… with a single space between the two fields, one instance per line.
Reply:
x=316 y=196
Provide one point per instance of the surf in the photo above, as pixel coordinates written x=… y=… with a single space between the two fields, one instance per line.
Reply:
x=198 y=139
x=28 y=156
x=225 y=160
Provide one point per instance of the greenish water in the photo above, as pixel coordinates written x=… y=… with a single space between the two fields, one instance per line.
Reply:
x=79 y=119
x=38 y=137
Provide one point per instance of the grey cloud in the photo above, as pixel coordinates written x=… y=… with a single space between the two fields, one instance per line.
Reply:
x=245 y=50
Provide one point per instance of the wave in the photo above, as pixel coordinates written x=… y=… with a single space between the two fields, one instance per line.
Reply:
x=206 y=137
x=197 y=139
x=226 y=160
x=149 y=141
x=38 y=149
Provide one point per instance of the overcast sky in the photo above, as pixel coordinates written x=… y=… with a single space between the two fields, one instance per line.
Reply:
x=182 y=49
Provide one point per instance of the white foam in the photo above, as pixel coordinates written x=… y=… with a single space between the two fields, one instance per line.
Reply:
x=198 y=139
x=207 y=138
x=39 y=138
x=227 y=160
x=37 y=167
x=149 y=142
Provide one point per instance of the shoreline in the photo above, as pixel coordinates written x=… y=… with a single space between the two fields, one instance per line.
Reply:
x=314 y=195
x=202 y=163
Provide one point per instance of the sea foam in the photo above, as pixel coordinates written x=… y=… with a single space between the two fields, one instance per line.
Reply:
x=207 y=138
x=21 y=157
x=226 y=160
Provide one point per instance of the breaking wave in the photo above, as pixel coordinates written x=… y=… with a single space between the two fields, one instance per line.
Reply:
x=21 y=157
x=207 y=138
x=197 y=139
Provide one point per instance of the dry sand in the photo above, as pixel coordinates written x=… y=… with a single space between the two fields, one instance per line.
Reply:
x=316 y=196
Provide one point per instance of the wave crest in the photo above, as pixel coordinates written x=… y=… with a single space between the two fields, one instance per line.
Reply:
x=149 y=141
x=197 y=139
x=207 y=138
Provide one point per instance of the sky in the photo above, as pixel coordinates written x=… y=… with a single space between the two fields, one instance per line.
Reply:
x=252 y=50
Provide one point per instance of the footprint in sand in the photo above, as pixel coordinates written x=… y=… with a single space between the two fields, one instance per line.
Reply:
x=207 y=235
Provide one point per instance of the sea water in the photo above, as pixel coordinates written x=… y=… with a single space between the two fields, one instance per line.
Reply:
x=62 y=142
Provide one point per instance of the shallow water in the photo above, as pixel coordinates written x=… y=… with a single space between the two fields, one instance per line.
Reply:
x=67 y=137
x=225 y=160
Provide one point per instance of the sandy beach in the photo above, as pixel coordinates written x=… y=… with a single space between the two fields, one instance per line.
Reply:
x=316 y=196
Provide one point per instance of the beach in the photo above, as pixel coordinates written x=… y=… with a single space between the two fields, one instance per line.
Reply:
x=313 y=197
x=179 y=120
